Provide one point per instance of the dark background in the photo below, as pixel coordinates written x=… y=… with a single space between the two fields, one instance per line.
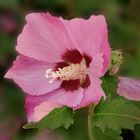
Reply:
x=123 y=19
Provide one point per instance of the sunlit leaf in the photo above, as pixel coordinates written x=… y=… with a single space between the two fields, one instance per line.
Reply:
x=116 y=114
x=57 y=118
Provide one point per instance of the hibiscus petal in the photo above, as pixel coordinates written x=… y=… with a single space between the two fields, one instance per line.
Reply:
x=92 y=94
x=29 y=74
x=42 y=36
x=90 y=36
x=71 y=98
x=105 y=49
x=37 y=107
x=129 y=88
x=96 y=66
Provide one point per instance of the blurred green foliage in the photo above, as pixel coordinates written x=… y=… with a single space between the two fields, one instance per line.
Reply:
x=123 y=18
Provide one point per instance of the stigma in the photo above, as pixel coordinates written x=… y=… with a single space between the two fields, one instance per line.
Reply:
x=77 y=71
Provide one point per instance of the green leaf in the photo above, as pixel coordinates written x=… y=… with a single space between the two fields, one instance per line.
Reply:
x=57 y=118
x=107 y=135
x=115 y=114
x=109 y=84
x=137 y=132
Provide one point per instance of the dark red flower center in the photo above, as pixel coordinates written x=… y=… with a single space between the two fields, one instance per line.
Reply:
x=73 y=71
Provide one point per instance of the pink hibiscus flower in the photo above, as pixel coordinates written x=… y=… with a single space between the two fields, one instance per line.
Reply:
x=61 y=62
x=129 y=88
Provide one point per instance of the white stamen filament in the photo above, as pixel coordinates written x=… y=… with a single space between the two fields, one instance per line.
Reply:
x=71 y=72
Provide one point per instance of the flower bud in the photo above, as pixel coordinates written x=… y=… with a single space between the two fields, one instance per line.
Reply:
x=116 y=61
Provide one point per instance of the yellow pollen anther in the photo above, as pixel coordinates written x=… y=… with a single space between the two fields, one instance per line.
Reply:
x=71 y=72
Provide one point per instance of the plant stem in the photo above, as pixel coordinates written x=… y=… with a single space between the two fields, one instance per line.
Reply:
x=90 y=128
